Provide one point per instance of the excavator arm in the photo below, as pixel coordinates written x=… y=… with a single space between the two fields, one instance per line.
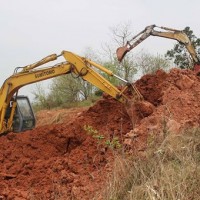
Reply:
x=169 y=33
x=80 y=66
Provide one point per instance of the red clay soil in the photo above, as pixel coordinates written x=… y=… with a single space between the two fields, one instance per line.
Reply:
x=64 y=161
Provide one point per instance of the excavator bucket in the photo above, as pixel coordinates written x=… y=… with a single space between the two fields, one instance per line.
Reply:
x=137 y=107
x=121 y=52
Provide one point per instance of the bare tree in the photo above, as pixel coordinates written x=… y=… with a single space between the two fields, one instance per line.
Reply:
x=120 y=34
x=148 y=63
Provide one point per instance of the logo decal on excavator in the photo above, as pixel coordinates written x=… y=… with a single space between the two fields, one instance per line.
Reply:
x=46 y=73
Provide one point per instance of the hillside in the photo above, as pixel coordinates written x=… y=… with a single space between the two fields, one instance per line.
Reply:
x=69 y=155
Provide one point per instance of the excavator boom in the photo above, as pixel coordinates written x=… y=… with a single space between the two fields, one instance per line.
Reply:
x=29 y=74
x=169 y=33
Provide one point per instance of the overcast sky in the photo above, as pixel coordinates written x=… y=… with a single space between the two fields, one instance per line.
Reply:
x=33 y=29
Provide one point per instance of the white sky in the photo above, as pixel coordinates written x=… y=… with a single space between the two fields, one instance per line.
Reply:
x=33 y=29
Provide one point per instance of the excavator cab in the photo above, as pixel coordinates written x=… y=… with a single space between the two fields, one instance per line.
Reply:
x=24 y=118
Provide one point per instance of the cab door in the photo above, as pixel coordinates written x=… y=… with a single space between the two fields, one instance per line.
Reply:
x=24 y=118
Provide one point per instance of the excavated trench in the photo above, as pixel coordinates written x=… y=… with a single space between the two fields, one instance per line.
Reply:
x=66 y=161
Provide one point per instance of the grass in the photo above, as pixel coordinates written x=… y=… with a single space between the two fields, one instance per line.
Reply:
x=168 y=170
x=85 y=103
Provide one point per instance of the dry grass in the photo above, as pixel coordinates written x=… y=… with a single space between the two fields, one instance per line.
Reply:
x=170 y=170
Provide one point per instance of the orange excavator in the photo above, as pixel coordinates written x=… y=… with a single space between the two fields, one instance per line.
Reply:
x=169 y=33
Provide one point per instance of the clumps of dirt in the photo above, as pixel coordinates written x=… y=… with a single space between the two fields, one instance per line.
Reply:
x=150 y=86
x=177 y=107
x=62 y=161
x=67 y=161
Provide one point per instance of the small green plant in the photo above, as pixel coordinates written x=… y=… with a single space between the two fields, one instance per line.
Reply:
x=99 y=137
x=93 y=132
x=90 y=130
x=114 y=143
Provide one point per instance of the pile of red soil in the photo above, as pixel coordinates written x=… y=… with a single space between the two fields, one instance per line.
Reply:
x=61 y=161
x=66 y=161
x=175 y=97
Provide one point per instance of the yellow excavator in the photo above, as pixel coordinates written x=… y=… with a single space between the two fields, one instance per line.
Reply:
x=16 y=113
x=169 y=33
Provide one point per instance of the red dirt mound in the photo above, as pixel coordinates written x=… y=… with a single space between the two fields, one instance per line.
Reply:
x=176 y=98
x=66 y=161
x=61 y=160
